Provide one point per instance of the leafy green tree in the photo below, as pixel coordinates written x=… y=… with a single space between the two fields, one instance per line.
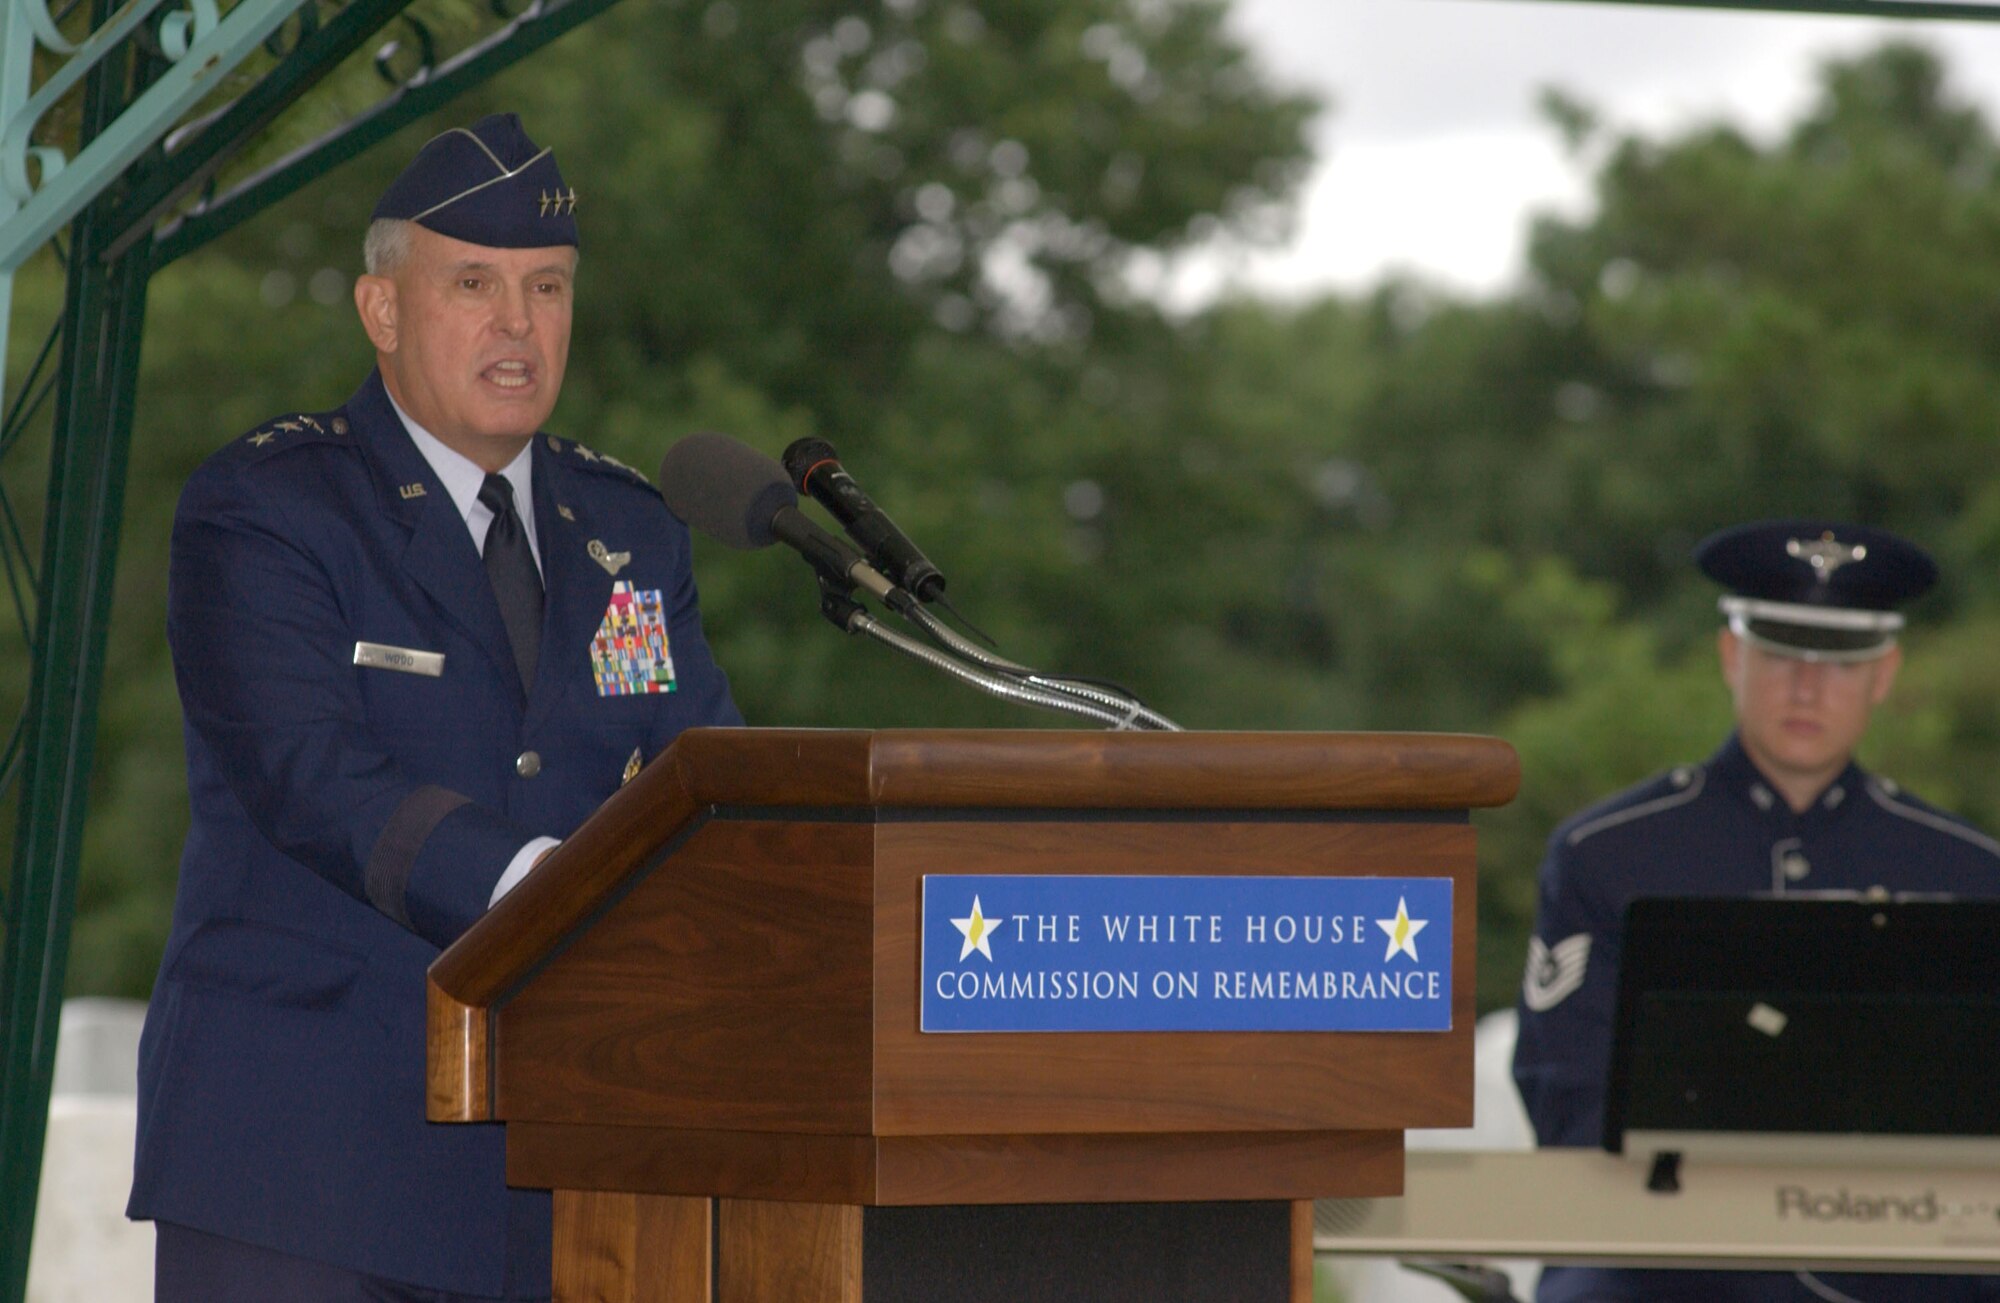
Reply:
x=908 y=228
x=902 y=226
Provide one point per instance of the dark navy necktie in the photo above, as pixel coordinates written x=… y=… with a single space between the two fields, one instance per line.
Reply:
x=510 y=564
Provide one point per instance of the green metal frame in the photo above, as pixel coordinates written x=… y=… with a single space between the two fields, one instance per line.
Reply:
x=1903 y=9
x=123 y=229
x=119 y=238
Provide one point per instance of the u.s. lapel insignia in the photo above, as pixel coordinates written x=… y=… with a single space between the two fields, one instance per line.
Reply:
x=612 y=562
x=411 y=491
x=565 y=513
x=632 y=767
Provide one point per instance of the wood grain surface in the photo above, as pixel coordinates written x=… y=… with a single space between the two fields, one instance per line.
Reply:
x=459 y=1066
x=1029 y=768
x=1240 y=1081
x=729 y=989
x=1302 y=1251
x=660 y=1160
x=1152 y=1168
x=734 y=990
x=794 y=1252
x=915 y=770
x=631 y=1248
x=928 y=1170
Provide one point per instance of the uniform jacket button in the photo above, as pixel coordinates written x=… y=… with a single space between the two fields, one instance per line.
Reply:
x=528 y=764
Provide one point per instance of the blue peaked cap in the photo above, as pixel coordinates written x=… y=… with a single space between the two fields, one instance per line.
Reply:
x=486 y=184
x=1818 y=589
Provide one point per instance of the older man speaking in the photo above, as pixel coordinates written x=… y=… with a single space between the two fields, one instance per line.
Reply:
x=417 y=640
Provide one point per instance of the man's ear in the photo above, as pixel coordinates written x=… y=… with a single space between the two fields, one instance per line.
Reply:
x=1885 y=675
x=1729 y=651
x=375 y=300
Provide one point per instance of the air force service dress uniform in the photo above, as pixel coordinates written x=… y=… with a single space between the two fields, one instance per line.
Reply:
x=1719 y=829
x=364 y=760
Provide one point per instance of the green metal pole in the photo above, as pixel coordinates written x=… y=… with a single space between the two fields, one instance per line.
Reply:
x=1971 y=10
x=97 y=382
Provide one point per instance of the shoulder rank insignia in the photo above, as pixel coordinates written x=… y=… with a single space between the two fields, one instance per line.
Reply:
x=297 y=423
x=565 y=513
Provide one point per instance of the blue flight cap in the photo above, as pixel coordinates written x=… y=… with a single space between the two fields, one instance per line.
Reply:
x=1815 y=589
x=485 y=184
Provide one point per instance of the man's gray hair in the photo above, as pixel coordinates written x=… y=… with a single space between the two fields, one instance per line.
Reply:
x=386 y=245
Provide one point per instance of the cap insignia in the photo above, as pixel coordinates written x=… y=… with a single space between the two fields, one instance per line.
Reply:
x=558 y=204
x=1825 y=555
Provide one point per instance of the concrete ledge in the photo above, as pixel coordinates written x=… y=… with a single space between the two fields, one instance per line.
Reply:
x=84 y=1250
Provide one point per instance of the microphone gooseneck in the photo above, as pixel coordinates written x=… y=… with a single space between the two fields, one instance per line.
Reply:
x=743 y=499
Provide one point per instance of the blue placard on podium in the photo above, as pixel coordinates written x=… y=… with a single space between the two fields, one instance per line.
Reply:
x=1088 y=953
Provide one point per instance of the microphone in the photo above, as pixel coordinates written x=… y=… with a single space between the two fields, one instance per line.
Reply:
x=740 y=498
x=815 y=468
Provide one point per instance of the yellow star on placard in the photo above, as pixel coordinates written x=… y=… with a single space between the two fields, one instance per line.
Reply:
x=977 y=930
x=1402 y=930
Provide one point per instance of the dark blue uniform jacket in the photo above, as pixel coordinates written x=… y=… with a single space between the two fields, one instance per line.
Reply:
x=348 y=822
x=1716 y=829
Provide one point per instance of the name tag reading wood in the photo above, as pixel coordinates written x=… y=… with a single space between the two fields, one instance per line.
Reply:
x=1045 y=953
x=407 y=660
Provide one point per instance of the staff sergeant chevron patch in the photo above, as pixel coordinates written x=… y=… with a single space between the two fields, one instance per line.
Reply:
x=1554 y=972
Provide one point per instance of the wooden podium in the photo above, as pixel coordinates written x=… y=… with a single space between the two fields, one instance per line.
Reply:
x=699 y=1021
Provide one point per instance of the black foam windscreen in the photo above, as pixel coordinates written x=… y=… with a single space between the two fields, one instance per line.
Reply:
x=725 y=488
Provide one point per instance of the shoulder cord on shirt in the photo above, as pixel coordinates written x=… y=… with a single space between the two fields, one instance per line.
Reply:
x=1822 y=1289
x=1696 y=782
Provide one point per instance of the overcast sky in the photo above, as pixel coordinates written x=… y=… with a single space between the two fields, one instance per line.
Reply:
x=1432 y=154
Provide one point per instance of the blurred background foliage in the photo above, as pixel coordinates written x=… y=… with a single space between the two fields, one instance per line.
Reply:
x=913 y=228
